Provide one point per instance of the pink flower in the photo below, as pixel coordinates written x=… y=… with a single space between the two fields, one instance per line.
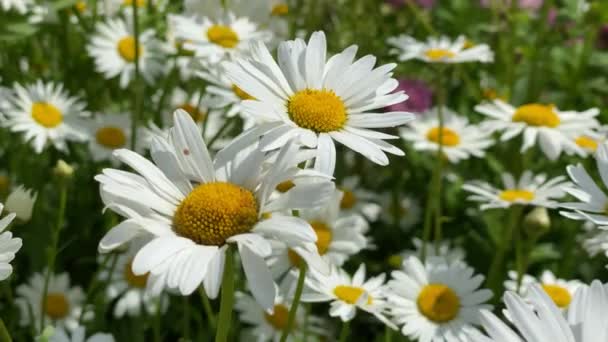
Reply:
x=421 y=96
x=422 y=3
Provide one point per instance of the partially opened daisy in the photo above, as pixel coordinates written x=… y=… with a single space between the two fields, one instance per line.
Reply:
x=444 y=249
x=561 y=291
x=592 y=202
x=109 y=132
x=347 y=294
x=589 y=140
x=356 y=199
x=114 y=51
x=529 y=189
x=195 y=208
x=440 y=50
x=213 y=39
x=539 y=123
x=438 y=301
x=319 y=100
x=459 y=138
x=45 y=114
x=62 y=304
x=9 y=246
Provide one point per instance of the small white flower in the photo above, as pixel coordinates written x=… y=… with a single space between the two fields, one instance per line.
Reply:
x=405 y=209
x=60 y=334
x=440 y=50
x=445 y=250
x=9 y=246
x=356 y=199
x=109 y=132
x=561 y=291
x=21 y=202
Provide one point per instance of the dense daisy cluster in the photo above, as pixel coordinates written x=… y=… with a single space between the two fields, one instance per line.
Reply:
x=281 y=170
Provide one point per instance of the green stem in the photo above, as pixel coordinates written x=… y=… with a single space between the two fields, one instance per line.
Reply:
x=295 y=303
x=344 y=332
x=136 y=86
x=227 y=299
x=496 y=268
x=157 y=320
x=4 y=335
x=207 y=307
x=186 y=327
x=420 y=17
x=93 y=285
x=52 y=251
x=221 y=131
x=439 y=162
x=388 y=334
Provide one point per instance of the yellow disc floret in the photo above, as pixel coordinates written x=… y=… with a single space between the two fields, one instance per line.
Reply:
x=46 y=114
x=348 y=200
x=512 y=195
x=196 y=114
x=126 y=49
x=586 y=143
x=280 y=10
x=279 y=317
x=438 y=54
x=223 y=36
x=134 y=280
x=56 y=306
x=285 y=186
x=324 y=236
x=243 y=95
x=448 y=136
x=138 y=3
x=537 y=115
x=213 y=212
x=111 y=137
x=317 y=110
x=438 y=303
x=351 y=294
x=560 y=295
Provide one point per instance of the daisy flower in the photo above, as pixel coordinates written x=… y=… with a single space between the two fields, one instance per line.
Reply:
x=589 y=141
x=21 y=202
x=356 y=199
x=543 y=321
x=406 y=209
x=227 y=36
x=60 y=334
x=109 y=132
x=459 y=138
x=561 y=291
x=9 y=246
x=347 y=294
x=62 y=304
x=195 y=208
x=445 y=250
x=45 y=114
x=318 y=100
x=593 y=239
x=440 y=50
x=20 y=6
x=537 y=122
x=114 y=51
x=592 y=202
x=438 y=301
x=530 y=189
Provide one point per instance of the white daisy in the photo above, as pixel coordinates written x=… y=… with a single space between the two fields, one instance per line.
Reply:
x=585 y=321
x=45 y=114
x=405 y=208
x=21 y=201
x=113 y=49
x=215 y=39
x=62 y=304
x=319 y=100
x=460 y=139
x=593 y=239
x=592 y=202
x=20 y=6
x=530 y=189
x=109 y=132
x=113 y=7
x=446 y=250
x=356 y=199
x=440 y=50
x=348 y=294
x=60 y=334
x=438 y=301
x=195 y=207
x=9 y=246
x=561 y=291
x=547 y=124
x=589 y=141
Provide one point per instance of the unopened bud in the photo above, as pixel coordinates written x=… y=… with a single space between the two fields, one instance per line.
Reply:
x=63 y=169
x=21 y=202
x=537 y=222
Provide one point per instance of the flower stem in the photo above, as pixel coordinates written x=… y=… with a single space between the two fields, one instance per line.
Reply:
x=4 y=335
x=295 y=303
x=207 y=307
x=345 y=331
x=496 y=268
x=136 y=86
x=227 y=299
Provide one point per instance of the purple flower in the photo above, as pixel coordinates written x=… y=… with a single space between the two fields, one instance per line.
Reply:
x=533 y=5
x=422 y=3
x=421 y=97
x=602 y=37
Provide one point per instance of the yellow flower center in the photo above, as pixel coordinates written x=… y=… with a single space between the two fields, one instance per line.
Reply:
x=138 y=3
x=438 y=54
x=241 y=93
x=196 y=114
x=317 y=110
x=280 y=10
x=395 y=260
x=46 y=114
x=537 y=115
x=586 y=143
x=111 y=137
x=348 y=199
x=513 y=195
x=81 y=6
x=438 y=303
x=213 y=212
x=294 y=258
x=126 y=49
x=448 y=136
x=560 y=295
x=351 y=294
x=468 y=44
x=223 y=36
x=279 y=318
x=324 y=235
x=56 y=306
x=285 y=186
x=134 y=280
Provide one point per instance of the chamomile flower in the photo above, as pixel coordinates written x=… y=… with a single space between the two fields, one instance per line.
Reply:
x=62 y=304
x=347 y=294
x=109 y=132
x=561 y=291
x=60 y=334
x=214 y=39
x=20 y=6
x=403 y=211
x=356 y=199
x=592 y=202
x=444 y=249
x=45 y=114
x=21 y=201
x=437 y=301
x=542 y=123
x=593 y=239
x=440 y=50
x=318 y=100
x=530 y=189
x=588 y=141
x=460 y=139
x=114 y=51
x=9 y=246
x=195 y=208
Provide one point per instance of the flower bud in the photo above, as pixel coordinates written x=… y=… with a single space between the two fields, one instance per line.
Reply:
x=537 y=222
x=63 y=169
x=21 y=202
